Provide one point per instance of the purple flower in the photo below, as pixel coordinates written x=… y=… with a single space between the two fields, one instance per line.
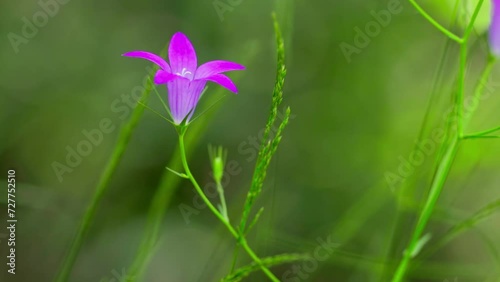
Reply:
x=494 y=34
x=184 y=79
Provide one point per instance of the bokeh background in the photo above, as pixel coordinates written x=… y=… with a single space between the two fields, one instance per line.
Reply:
x=353 y=120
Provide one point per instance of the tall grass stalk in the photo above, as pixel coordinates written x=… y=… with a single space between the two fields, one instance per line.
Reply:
x=406 y=191
x=446 y=161
x=105 y=179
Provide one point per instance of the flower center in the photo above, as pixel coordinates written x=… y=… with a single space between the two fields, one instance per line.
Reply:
x=184 y=72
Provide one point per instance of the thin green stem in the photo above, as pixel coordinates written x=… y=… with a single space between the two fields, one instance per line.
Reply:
x=155 y=112
x=470 y=26
x=465 y=225
x=481 y=137
x=214 y=210
x=478 y=92
x=485 y=132
x=235 y=258
x=182 y=175
x=160 y=203
x=463 y=64
x=163 y=102
x=436 y=188
x=461 y=90
x=102 y=186
x=198 y=188
x=431 y=20
x=448 y=158
x=220 y=190
x=404 y=192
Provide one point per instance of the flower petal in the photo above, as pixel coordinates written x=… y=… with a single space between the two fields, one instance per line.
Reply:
x=150 y=57
x=223 y=81
x=494 y=33
x=216 y=67
x=182 y=56
x=183 y=96
x=162 y=77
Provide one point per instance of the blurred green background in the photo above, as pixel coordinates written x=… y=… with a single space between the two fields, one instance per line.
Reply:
x=353 y=120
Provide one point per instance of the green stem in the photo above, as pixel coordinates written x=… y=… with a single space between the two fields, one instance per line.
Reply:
x=478 y=92
x=121 y=145
x=485 y=132
x=481 y=137
x=405 y=191
x=448 y=158
x=441 y=28
x=463 y=64
x=223 y=205
x=461 y=90
x=235 y=258
x=436 y=188
x=470 y=26
x=160 y=203
x=214 y=210
x=465 y=225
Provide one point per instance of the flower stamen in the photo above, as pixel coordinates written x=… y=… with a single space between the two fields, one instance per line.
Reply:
x=184 y=72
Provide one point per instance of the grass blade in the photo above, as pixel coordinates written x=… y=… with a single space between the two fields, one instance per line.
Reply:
x=269 y=145
x=105 y=179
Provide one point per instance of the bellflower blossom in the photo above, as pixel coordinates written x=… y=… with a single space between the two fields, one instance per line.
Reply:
x=184 y=79
x=494 y=33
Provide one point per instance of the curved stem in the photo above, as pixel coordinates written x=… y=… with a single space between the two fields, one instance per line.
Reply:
x=214 y=210
x=441 y=28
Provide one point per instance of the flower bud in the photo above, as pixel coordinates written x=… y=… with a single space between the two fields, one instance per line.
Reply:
x=218 y=168
x=217 y=160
